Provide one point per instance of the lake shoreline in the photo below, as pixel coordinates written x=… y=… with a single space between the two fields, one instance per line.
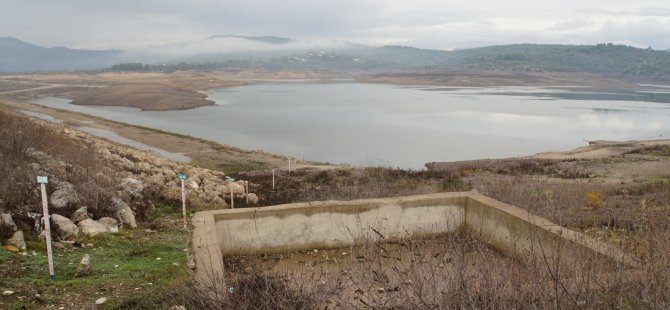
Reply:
x=203 y=153
x=466 y=133
x=173 y=142
x=182 y=90
x=298 y=119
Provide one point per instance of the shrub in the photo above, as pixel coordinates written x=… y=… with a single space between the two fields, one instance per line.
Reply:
x=595 y=199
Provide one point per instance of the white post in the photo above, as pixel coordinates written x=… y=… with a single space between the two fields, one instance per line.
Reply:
x=232 y=197
x=183 y=203
x=273 y=179
x=246 y=191
x=289 y=164
x=182 y=177
x=47 y=225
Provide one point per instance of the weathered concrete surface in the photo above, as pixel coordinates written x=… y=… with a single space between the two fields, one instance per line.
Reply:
x=329 y=224
x=333 y=224
x=206 y=254
x=517 y=232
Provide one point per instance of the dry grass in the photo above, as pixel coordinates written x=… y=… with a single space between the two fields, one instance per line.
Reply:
x=446 y=272
x=575 y=194
x=72 y=162
x=347 y=184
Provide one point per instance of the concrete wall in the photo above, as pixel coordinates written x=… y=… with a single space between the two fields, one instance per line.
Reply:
x=517 y=232
x=330 y=224
x=335 y=224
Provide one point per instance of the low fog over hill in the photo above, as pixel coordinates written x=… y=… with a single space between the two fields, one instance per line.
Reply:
x=18 y=56
x=277 y=53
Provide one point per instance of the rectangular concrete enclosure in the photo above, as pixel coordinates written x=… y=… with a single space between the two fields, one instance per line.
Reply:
x=331 y=224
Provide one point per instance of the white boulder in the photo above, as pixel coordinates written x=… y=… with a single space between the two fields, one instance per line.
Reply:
x=64 y=197
x=7 y=226
x=79 y=215
x=17 y=240
x=91 y=228
x=111 y=224
x=235 y=187
x=253 y=199
x=65 y=228
x=124 y=213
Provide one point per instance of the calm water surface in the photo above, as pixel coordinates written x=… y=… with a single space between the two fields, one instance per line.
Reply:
x=373 y=124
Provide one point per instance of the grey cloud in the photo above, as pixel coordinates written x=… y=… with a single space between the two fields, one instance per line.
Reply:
x=569 y=25
x=134 y=25
x=654 y=11
x=643 y=11
x=648 y=32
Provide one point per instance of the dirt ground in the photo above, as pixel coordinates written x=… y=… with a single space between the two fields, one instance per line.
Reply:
x=421 y=273
x=375 y=275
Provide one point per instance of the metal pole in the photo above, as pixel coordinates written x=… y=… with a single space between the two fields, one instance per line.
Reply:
x=183 y=203
x=273 y=179
x=47 y=230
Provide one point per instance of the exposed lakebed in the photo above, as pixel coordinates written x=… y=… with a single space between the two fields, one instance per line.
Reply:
x=374 y=124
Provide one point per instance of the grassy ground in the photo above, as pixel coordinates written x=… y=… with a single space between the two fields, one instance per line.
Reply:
x=133 y=269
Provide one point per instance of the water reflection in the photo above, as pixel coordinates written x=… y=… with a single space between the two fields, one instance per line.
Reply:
x=362 y=124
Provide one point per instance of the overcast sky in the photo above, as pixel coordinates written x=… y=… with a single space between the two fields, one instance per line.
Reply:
x=133 y=24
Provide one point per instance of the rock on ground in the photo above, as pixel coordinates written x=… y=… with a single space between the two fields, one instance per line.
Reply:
x=111 y=224
x=133 y=187
x=253 y=199
x=17 y=240
x=236 y=188
x=79 y=215
x=64 y=228
x=193 y=185
x=64 y=197
x=127 y=217
x=91 y=228
x=219 y=202
x=84 y=267
x=7 y=226
x=124 y=213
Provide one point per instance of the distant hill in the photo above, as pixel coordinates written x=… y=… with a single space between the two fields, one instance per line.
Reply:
x=17 y=56
x=606 y=59
x=277 y=53
x=262 y=39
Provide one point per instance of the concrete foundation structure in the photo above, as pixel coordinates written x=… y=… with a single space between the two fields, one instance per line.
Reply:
x=332 y=224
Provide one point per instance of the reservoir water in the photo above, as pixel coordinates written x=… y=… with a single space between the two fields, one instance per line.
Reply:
x=376 y=124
